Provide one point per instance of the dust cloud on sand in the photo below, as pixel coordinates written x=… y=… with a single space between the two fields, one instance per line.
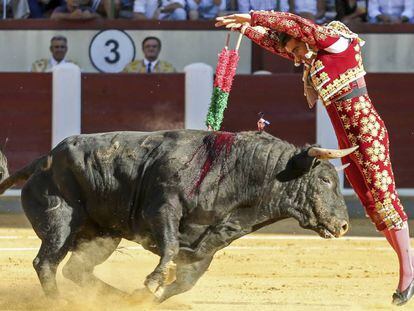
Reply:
x=263 y=272
x=125 y=270
x=32 y=298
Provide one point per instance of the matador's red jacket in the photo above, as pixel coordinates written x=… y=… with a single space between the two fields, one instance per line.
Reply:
x=332 y=71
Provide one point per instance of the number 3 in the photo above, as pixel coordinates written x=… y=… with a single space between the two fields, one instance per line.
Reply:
x=114 y=50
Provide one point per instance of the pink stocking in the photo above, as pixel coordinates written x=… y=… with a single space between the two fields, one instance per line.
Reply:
x=387 y=235
x=400 y=241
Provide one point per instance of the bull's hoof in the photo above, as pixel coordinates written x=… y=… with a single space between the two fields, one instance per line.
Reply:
x=156 y=281
x=152 y=284
x=155 y=288
x=159 y=293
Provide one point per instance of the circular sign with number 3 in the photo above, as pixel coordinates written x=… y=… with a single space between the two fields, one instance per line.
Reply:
x=111 y=50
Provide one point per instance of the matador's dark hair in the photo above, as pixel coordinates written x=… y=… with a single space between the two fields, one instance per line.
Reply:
x=283 y=38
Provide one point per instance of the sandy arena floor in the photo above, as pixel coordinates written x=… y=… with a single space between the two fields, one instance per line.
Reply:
x=261 y=272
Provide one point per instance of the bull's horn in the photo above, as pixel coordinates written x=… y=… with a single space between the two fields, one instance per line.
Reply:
x=322 y=153
x=342 y=167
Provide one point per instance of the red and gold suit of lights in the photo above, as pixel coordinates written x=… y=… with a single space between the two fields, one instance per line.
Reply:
x=356 y=122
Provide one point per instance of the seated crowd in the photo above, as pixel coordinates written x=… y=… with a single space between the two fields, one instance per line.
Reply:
x=150 y=63
x=321 y=11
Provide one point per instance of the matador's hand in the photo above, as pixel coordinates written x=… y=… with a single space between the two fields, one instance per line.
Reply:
x=233 y=19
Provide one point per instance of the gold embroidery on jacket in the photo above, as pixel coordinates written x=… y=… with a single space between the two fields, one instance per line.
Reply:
x=317 y=66
x=319 y=81
x=343 y=79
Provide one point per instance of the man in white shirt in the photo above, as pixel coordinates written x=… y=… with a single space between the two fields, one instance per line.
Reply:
x=391 y=11
x=256 y=5
x=58 y=48
x=205 y=9
x=161 y=10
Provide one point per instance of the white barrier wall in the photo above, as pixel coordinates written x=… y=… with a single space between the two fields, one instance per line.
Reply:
x=198 y=90
x=66 y=102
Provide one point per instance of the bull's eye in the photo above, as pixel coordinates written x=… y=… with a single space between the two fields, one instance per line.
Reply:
x=325 y=180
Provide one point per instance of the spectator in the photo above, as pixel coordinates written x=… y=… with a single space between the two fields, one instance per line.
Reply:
x=231 y=6
x=160 y=9
x=351 y=11
x=108 y=8
x=256 y=5
x=74 y=9
x=18 y=8
x=390 y=11
x=126 y=8
x=58 y=48
x=40 y=8
x=310 y=9
x=205 y=9
x=151 y=46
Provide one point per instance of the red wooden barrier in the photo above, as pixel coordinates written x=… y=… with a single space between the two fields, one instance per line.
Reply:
x=280 y=97
x=135 y=102
x=392 y=95
x=152 y=102
x=25 y=116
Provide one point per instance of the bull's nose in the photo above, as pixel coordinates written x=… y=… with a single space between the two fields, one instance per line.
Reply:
x=344 y=227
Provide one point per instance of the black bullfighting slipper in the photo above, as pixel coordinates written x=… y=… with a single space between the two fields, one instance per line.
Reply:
x=401 y=298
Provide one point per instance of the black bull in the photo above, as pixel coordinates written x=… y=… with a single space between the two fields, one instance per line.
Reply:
x=183 y=195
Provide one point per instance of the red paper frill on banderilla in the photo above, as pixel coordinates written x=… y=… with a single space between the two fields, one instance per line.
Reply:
x=225 y=72
x=230 y=71
x=223 y=59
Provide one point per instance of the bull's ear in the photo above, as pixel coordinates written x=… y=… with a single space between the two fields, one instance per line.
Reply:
x=303 y=162
x=297 y=166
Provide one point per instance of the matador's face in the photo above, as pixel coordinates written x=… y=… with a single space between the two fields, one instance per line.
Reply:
x=298 y=50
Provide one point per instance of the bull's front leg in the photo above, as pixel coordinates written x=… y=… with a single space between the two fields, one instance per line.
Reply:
x=164 y=224
x=187 y=277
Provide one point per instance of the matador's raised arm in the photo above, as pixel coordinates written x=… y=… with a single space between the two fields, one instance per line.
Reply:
x=267 y=39
x=297 y=27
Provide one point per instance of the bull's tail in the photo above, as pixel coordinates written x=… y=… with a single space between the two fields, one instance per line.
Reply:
x=23 y=174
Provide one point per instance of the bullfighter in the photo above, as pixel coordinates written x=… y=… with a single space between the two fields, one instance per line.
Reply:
x=334 y=74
